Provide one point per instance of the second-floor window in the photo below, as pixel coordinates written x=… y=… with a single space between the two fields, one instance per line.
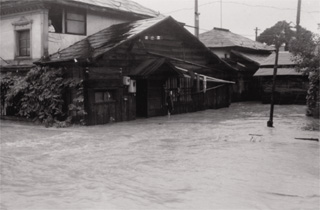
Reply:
x=68 y=21
x=75 y=23
x=23 y=42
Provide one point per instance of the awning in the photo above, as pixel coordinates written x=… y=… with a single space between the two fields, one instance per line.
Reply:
x=262 y=72
x=150 y=66
x=209 y=79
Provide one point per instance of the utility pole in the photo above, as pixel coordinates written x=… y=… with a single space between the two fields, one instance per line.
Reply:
x=256 y=30
x=279 y=39
x=220 y=13
x=298 y=17
x=196 y=19
x=270 y=122
x=298 y=13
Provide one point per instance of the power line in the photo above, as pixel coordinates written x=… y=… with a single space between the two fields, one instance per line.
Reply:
x=244 y=4
x=190 y=8
x=206 y=30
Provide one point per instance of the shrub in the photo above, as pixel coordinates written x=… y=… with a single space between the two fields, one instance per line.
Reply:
x=40 y=95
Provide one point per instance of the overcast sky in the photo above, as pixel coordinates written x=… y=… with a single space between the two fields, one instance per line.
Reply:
x=239 y=16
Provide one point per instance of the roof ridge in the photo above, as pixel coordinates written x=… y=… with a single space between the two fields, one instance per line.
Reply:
x=126 y=6
x=88 y=40
x=219 y=37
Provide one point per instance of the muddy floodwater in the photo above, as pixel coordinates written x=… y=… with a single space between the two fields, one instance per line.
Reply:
x=214 y=159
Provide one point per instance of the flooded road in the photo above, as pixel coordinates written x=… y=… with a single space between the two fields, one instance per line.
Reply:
x=202 y=160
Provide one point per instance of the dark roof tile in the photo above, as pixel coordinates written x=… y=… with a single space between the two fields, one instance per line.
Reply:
x=285 y=58
x=255 y=57
x=219 y=38
x=281 y=72
x=104 y=40
x=128 y=6
x=116 y=35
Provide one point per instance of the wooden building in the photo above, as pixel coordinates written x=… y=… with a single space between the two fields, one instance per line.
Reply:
x=291 y=85
x=128 y=70
x=240 y=56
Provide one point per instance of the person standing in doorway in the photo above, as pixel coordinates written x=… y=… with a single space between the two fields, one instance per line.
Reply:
x=170 y=102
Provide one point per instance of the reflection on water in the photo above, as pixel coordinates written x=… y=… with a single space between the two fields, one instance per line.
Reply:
x=203 y=160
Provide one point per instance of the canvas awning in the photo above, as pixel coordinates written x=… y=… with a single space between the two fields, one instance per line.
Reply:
x=280 y=72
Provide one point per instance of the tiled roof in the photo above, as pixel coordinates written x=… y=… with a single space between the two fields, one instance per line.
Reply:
x=122 y=5
x=255 y=57
x=104 y=40
x=280 y=72
x=285 y=58
x=116 y=35
x=219 y=38
x=117 y=5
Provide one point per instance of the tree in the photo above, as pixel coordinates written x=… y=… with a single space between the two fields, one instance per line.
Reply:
x=271 y=35
x=305 y=47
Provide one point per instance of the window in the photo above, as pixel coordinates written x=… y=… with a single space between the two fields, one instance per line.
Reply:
x=23 y=41
x=182 y=89
x=103 y=96
x=22 y=31
x=75 y=23
x=68 y=21
x=55 y=16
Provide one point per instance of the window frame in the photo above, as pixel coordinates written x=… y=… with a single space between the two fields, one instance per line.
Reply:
x=78 y=13
x=111 y=92
x=22 y=24
x=19 y=39
x=56 y=15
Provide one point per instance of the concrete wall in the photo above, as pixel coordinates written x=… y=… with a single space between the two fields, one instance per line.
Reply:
x=42 y=41
x=8 y=38
x=95 y=23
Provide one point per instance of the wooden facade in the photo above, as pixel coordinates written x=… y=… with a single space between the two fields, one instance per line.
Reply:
x=156 y=56
x=107 y=101
x=291 y=85
x=289 y=89
x=241 y=59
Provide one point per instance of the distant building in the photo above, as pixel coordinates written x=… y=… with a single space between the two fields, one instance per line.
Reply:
x=240 y=54
x=27 y=35
x=291 y=85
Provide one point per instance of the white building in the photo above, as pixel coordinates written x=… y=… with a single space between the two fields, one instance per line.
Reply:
x=25 y=34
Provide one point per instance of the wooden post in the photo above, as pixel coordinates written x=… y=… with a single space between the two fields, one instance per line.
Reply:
x=256 y=30
x=44 y=37
x=298 y=18
x=220 y=13
x=196 y=19
x=198 y=83
x=204 y=84
x=270 y=122
x=298 y=13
